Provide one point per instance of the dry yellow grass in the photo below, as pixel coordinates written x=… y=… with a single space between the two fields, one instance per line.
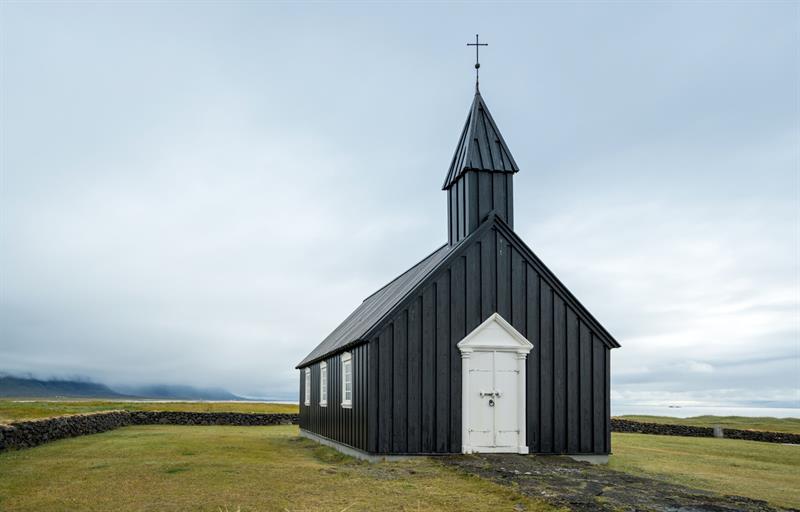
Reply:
x=166 y=468
x=764 y=471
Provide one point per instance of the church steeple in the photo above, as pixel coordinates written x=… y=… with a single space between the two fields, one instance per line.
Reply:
x=480 y=179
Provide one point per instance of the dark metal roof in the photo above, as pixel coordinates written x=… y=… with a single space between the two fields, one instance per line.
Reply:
x=480 y=147
x=376 y=306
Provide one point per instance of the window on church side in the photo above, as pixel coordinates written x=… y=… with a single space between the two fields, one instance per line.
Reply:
x=347 y=380
x=308 y=386
x=323 y=384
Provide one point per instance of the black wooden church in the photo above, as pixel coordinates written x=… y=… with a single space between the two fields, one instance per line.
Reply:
x=477 y=348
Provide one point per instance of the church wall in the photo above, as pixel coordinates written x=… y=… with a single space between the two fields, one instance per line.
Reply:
x=346 y=425
x=415 y=366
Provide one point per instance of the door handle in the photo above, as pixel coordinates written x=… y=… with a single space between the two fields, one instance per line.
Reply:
x=491 y=402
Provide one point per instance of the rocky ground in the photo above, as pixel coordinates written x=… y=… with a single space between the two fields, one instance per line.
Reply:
x=581 y=486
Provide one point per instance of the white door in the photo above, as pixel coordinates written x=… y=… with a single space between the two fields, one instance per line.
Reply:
x=493 y=421
x=493 y=388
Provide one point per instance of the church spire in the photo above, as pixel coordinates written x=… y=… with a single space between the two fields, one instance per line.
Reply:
x=481 y=147
x=480 y=176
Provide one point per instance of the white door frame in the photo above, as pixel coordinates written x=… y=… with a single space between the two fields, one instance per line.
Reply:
x=475 y=342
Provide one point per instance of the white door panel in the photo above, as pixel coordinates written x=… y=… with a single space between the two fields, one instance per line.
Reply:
x=505 y=378
x=493 y=405
x=481 y=418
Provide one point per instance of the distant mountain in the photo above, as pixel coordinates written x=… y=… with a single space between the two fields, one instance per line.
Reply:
x=27 y=387
x=33 y=388
x=172 y=392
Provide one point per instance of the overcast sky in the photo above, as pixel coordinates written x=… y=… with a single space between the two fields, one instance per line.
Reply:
x=199 y=193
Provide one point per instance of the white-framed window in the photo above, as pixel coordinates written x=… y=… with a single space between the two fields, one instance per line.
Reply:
x=323 y=384
x=308 y=386
x=347 y=380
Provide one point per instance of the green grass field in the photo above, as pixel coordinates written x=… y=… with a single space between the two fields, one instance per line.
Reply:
x=791 y=425
x=269 y=468
x=165 y=468
x=15 y=410
x=764 y=471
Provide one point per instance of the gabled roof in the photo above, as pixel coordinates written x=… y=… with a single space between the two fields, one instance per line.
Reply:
x=358 y=327
x=376 y=306
x=480 y=147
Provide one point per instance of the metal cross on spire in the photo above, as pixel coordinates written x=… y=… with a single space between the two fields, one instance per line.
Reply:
x=477 y=44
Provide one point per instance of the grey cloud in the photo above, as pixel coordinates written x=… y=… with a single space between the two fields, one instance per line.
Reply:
x=198 y=194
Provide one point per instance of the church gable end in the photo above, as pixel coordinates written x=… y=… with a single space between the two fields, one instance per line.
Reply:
x=415 y=381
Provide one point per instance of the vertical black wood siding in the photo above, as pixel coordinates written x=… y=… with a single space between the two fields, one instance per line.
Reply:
x=442 y=397
x=428 y=420
x=414 y=383
x=473 y=196
x=346 y=425
x=415 y=366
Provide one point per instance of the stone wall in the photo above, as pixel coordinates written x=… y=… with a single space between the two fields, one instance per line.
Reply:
x=620 y=425
x=211 y=418
x=758 y=435
x=25 y=434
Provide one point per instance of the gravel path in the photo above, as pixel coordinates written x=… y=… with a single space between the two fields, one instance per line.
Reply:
x=584 y=487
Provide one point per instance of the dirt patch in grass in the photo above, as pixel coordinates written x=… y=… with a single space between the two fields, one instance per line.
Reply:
x=583 y=487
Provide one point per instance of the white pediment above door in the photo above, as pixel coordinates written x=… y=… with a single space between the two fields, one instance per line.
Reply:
x=495 y=334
